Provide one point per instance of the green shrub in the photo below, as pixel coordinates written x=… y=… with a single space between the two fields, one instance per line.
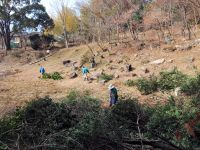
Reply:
x=172 y=79
x=168 y=119
x=166 y=81
x=80 y=122
x=105 y=77
x=81 y=103
x=41 y=41
x=130 y=83
x=138 y=15
x=46 y=76
x=54 y=76
x=196 y=100
x=110 y=125
x=35 y=123
x=197 y=129
x=35 y=41
x=147 y=86
x=88 y=114
x=191 y=86
x=127 y=111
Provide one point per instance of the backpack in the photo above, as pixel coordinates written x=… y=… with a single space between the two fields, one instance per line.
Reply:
x=114 y=92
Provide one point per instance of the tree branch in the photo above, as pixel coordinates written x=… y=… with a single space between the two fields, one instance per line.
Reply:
x=153 y=143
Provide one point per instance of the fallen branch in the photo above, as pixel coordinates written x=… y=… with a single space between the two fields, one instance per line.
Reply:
x=41 y=59
x=47 y=146
x=153 y=143
x=139 y=131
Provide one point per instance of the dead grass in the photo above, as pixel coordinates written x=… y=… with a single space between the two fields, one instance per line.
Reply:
x=25 y=85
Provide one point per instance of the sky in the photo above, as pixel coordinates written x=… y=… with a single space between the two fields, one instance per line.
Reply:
x=49 y=4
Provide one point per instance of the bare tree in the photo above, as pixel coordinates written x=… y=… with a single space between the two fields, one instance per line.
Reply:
x=60 y=7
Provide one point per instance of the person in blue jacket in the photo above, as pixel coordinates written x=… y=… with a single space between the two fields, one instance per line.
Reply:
x=42 y=70
x=85 y=72
x=113 y=95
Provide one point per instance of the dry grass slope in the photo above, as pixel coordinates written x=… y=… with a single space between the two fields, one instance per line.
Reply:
x=25 y=85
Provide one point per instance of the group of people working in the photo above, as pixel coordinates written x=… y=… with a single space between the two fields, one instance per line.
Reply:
x=113 y=94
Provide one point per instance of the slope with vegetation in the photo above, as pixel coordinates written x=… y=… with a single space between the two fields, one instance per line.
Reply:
x=147 y=49
x=79 y=122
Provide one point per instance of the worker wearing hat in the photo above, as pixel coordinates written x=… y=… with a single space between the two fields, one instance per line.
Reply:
x=113 y=95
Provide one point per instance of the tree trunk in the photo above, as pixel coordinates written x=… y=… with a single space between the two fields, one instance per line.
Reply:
x=170 y=17
x=93 y=38
x=118 y=38
x=131 y=30
x=159 y=39
x=160 y=28
x=109 y=38
x=8 y=46
x=5 y=31
x=99 y=32
x=2 y=43
x=7 y=40
x=65 y=36
x=186 y=24
x=25 y=43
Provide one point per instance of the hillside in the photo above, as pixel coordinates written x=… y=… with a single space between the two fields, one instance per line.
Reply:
x=23 y=84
